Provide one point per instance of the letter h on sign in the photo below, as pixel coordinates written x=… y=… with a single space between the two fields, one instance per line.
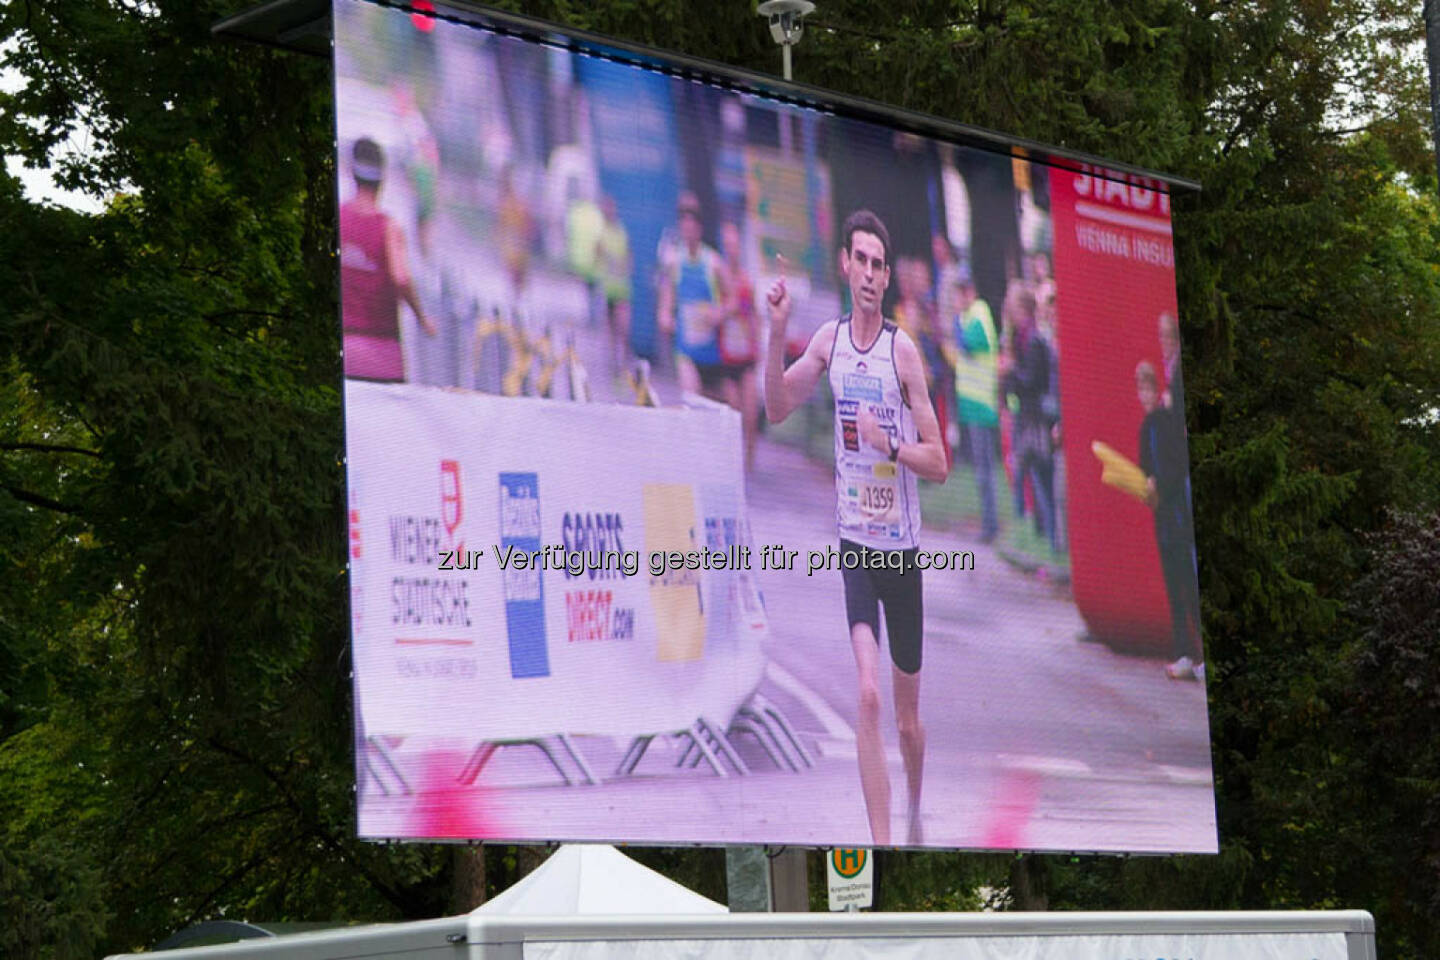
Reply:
x=849 y=862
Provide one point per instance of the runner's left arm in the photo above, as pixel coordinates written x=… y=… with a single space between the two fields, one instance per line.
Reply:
x=927 y=457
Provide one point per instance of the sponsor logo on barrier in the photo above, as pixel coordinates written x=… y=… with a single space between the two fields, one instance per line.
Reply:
x=452 y=503
x=675 y=594
x=591 y=616
x=523 y=587
x=600 y=535
x=731 y=536
x=414 y=540
x=357 y=545
x=357 y=553
x=429 y=602
x=519 y=510
x=722 y=532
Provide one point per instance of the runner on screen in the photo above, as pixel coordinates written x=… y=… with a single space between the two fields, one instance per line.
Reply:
x=885 y=435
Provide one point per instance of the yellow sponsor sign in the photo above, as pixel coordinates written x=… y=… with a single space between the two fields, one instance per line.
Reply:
x=670 y=526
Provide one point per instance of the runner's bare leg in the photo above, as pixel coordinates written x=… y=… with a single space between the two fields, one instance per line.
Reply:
x=749 y=414
x=912 y=744
x=869 y=747
x=686 y=373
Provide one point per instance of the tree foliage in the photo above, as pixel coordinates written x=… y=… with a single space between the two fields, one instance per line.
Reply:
x=174 y=729
x=1393 y=712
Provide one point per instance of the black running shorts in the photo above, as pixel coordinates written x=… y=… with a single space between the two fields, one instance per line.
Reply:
x=873 y=581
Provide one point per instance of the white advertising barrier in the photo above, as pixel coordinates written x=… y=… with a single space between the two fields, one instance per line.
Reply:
x=1255 y=946
x=472 y=614
x=1241 y=935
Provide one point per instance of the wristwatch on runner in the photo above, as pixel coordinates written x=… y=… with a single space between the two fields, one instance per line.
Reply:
x=894 y=447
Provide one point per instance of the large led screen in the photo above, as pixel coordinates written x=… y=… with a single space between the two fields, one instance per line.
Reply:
x=723 y=470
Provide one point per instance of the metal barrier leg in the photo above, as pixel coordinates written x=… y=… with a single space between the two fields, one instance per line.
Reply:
x=722 y=746
x=743 y=724
x=375 y=775
x=579 y=760
x=632 y=756
x=762 y=723
x=697 y=736
x=554 y=762
x=477 y=762
x=747 y=720
x=389 y=758
x=774 y=713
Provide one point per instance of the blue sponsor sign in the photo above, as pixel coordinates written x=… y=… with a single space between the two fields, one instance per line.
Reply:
x=524 y=588
x=633 y=120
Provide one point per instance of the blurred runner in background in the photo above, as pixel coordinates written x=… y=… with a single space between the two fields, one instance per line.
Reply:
x=692 y=304
x=739 y=340
x=374 y=275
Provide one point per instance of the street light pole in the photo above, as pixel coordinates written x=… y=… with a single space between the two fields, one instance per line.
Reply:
x=757 y=880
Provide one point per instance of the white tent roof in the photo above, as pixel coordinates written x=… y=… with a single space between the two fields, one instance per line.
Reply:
x=596 y=879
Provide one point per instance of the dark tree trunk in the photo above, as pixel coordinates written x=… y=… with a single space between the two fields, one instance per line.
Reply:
x=1028 y=887
x=530 y=857
x=1432 y=53
x=467 y=888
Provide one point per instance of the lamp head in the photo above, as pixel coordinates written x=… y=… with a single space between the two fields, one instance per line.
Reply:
x=786 y=19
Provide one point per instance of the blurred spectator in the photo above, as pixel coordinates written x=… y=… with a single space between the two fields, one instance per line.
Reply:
x=1026 y=376
x=1174 y=395
x=1164 y=460
x=437 y=360
x=584 y=223
x=915 y=314
x=947 y=278
x=977 y=393
x=516 y=237
x=613 y=266
x=1043 y=284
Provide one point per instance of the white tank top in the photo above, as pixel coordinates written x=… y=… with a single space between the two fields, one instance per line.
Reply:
x=877 y=503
